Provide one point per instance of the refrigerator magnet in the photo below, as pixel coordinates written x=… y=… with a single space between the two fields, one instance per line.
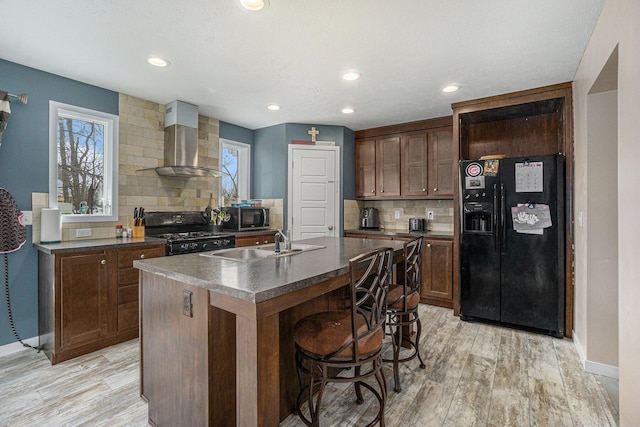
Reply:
x=491 y=167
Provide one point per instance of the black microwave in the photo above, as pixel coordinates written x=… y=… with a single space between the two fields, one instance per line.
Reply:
x=246 y=219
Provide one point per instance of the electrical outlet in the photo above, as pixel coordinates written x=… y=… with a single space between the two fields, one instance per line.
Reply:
x=27 y=217
x=187 y=303
x=396 y=213
x=430 y=215
x=83 y=232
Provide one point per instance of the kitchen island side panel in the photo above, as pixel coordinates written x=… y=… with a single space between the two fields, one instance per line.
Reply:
x=178 y=355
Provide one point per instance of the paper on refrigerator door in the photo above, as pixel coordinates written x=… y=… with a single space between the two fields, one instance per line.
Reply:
x=529 y=178
x=531 y=219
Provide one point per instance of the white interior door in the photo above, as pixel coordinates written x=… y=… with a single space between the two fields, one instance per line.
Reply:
x=313 y=207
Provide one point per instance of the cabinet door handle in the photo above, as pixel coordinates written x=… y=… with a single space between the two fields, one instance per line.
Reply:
x=428 y=245
x=435 y=189
x=382 y=190
x=424 y=189
x=103 y=262
x=142 y=256
x=257 y=242
x=331 y=227
x=373 y=191
x=266 y=241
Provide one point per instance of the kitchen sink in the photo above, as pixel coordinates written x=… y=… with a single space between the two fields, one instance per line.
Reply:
x=247 y=254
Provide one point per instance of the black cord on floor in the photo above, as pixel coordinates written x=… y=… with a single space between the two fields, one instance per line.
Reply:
x=6 y=292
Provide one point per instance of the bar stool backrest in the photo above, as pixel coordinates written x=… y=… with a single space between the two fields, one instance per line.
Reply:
x=370 y=274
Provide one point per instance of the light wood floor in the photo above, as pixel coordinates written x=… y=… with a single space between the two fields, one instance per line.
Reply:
x=476 y=374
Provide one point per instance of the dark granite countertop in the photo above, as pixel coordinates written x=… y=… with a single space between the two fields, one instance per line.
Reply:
x=403 y=233
x=261 y=280
x=93 y=244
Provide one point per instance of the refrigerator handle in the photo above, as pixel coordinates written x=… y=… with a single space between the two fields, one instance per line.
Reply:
x=503 y=220
x=496 y=230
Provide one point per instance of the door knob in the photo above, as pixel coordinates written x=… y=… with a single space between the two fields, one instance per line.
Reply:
x=331 y=227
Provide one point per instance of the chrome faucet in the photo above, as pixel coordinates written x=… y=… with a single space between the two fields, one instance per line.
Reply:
x=285 y=239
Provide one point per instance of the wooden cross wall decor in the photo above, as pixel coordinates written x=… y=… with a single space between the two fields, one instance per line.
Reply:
x=314 y=133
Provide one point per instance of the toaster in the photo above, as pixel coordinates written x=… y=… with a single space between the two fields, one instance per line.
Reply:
x=416 y=224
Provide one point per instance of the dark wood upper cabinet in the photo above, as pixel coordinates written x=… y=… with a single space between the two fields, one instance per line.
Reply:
x=414 y=171
x=365 y=168
x=388 y=167
x=412 y=160
x=441 y=163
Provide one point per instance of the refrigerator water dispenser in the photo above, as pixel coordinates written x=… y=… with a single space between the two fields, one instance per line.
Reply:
x=478 y=217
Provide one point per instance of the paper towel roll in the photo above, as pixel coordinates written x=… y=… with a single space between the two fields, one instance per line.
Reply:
x=50 y=226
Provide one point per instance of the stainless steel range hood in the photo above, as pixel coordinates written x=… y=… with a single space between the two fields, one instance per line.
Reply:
x=181 y=143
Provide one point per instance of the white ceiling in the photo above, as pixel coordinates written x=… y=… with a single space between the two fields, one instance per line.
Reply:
x=233 y=63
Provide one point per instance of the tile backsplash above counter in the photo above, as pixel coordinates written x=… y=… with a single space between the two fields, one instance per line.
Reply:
x=442 y=213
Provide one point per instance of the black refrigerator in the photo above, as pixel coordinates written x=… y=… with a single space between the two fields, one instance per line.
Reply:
x=512 y=248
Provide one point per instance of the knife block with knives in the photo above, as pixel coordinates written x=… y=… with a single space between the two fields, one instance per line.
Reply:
x=137 y=225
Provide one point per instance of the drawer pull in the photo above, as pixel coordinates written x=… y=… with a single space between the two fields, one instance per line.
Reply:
x=142 y=256
x=103 y=262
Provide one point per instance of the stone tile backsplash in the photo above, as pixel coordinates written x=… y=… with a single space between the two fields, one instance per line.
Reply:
x=141 y=146
x=442 y=210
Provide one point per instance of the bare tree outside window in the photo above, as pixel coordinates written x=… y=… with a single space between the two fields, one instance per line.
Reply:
x=81 y=165
x=229 y=184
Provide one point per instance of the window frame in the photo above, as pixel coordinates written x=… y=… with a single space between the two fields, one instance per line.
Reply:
x=111 y=165
x=244 y=164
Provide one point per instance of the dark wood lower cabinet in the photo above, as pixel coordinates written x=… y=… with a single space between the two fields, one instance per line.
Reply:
x=84 y=299
x=437 y=272
x=88 y=300
x=436 y=287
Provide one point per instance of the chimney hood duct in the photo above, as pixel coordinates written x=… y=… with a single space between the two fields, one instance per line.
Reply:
x=181 y=142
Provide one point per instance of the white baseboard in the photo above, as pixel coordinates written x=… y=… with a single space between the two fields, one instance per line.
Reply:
x=594 y=367
x=601 y=369
x=15 y=347
x=579 y=349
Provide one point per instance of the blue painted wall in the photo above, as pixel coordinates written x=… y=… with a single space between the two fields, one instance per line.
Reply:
x=24 y=169
x=270 y=162
x=24 y=166
x=236 y=133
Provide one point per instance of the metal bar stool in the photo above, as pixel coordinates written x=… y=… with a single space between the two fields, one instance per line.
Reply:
x=402 y=310
x=346 y=346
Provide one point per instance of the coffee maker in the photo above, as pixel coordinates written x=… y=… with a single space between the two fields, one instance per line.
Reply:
x=369 y=218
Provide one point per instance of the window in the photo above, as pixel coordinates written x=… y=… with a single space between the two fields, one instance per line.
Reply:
x=235 y=160
x=83 y=163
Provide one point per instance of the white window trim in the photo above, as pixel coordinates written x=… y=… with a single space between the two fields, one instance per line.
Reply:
x=244 y=163
x=111 y=165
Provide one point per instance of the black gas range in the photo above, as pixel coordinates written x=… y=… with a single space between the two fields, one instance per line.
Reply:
x=186 y=232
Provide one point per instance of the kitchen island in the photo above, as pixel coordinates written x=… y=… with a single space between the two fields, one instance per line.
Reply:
x=216 y=334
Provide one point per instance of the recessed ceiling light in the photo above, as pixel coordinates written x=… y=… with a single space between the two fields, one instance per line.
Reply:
x=351 y=75
x=450 y=88
x=273 y=107
x=348 y=110
x=254 y=5
x=158 y=62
